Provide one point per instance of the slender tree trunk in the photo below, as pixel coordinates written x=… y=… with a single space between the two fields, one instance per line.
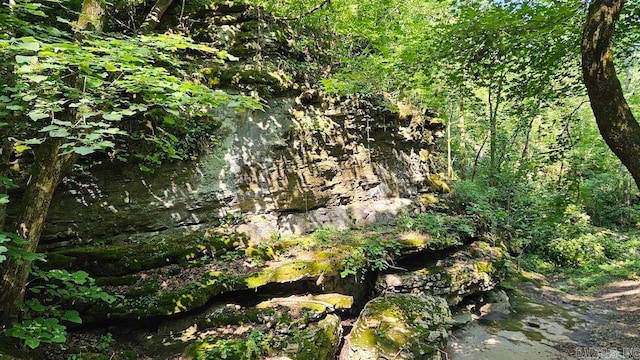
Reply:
x=492 y=138
x=462 y=147
x=527 y=138
x=153 y=18
x=493 y=131
x=5 y=157
x=616 y=122
x=449 y=160
x=477 y=158
x=527 y=135
x=49 y=169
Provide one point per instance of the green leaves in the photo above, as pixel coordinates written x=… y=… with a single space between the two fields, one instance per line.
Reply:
x=22 y=59
x=28 y=43
x=38 y=330
x=224 y=55
x=43 y=312
x=105 y=80
x=72 y=316
x=38 y=114
x=12 y=246
x=112 y=116
x=4 y=242
x=82 y=150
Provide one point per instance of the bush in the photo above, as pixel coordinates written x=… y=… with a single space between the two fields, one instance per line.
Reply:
x=46 y=310
x=578 y=251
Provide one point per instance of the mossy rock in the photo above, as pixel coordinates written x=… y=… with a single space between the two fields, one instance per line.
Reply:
x=476 y=268
x=157 y=251
x=164 y=292
x=150 y=299
x=318 y=341
x=270 y=333
x=293 y=271
x=401 y=326
x=323 y=303
x=415 y=242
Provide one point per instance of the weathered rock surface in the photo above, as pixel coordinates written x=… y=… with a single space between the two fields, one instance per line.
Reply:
x=493 y=305
x=401 y=326
x=302 y=327
x=471 y=270
x=292 y=168
x=177 y=274
x=206 y=253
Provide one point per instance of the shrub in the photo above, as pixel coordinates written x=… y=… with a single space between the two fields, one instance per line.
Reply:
x=578 y=251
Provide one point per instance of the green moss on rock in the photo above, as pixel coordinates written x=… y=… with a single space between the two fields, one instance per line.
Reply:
x=323 y=303
x=150 y=299
x=280 y=332
x=401 y=326
x=477 y=268
x=324 y=262
x=318 y=341
x=155 y=252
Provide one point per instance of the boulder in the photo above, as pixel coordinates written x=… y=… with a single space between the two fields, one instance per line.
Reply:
x=296 y=328
x=495 y=305
x=401 y=326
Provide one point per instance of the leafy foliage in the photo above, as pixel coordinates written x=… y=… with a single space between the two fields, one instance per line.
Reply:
x=47 y=310
x=373 y=254
x=250 y=348
x=86 y=91
x=11 y=245
x=91 y=92
x=502 y=74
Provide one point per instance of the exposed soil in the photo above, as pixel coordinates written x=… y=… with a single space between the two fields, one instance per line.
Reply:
x=546 y=323
x=615 y=310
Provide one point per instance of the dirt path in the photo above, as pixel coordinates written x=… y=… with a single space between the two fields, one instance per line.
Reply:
x=546 y=323
x=616 y=311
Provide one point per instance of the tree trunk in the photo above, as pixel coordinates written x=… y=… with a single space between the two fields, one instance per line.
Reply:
x=449 y=160
x=493 y=130
x=5 y=157
x=462 y=147
x=47 y=173
x=153 y=18
x=527 y=138
x=615 y=120
x=48 y=170
x=91 y=16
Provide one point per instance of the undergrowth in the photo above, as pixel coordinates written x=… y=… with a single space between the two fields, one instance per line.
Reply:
x=549 y=231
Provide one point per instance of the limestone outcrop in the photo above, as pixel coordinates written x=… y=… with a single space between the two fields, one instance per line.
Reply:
x=297 y=166
x=272 y=242
x=297 y=328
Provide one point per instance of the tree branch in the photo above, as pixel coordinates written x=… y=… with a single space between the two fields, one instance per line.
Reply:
x=311 y=11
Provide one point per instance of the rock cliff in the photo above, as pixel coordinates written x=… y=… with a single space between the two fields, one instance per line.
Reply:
x=270 y=244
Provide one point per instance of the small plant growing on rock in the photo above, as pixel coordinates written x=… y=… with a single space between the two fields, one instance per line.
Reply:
x=374 y=254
